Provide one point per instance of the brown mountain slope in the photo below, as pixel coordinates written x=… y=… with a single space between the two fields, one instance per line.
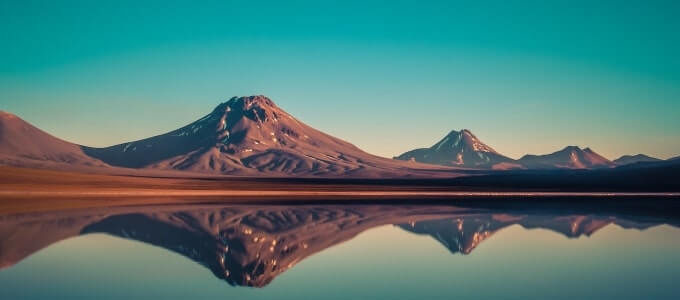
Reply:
x=22 y=144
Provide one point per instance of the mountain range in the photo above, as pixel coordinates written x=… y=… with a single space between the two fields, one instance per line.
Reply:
x=252 y=136
x=464 y=149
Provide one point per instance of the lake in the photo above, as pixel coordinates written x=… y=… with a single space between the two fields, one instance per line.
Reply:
x=400 y=251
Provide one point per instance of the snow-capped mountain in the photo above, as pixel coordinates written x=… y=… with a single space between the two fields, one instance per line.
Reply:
x=571 y=157
x=631 y=159
x=460 y=148
x=250 y=135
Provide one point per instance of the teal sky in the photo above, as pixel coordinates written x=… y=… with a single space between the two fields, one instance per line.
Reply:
x=389 y=76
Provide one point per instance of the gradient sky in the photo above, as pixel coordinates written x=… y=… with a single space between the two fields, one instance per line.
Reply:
x=389 y=76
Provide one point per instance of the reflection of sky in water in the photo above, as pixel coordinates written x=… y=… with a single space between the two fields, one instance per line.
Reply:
x=385 y=262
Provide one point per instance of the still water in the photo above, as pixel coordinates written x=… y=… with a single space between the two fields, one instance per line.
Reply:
x=337 y=252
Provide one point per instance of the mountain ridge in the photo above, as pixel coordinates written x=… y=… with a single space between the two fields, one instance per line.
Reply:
x=631 y=159
x=570 y=157
x=251 y=136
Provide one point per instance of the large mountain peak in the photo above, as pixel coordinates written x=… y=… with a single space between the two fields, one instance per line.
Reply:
x=241 y=121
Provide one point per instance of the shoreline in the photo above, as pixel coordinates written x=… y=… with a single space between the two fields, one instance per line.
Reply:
x=293 y=193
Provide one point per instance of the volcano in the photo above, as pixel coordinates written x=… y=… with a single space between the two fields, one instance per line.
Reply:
x=460 y=148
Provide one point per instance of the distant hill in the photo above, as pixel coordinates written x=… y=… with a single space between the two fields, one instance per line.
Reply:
x=25 y=145
x=631 y=159
x=571 y=157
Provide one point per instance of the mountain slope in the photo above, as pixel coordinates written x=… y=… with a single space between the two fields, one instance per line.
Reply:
x=459 y=148
x=251 y=135
x=571 y=157
x=631 y=159
x=23 y=144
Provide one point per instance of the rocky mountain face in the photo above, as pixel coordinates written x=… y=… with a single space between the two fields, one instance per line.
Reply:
x=462 y=149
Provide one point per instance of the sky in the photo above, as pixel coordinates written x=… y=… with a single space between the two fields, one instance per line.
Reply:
x=388 y=76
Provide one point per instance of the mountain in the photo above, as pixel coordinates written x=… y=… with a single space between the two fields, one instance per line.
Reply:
x=243 y=136
x=571 y=157
x=460 y=148
x=25 y=145
x=631 y=159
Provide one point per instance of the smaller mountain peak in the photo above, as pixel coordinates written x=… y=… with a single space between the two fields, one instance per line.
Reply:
x=453 y=133
x=571 y=148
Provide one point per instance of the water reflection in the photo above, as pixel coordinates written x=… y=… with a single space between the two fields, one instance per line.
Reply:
x=462 y=234
x=252 y=245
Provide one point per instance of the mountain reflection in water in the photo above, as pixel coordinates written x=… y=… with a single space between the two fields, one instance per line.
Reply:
x=251 y=245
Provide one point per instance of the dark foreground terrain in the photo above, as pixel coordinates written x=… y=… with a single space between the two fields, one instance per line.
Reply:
x=34 y=190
